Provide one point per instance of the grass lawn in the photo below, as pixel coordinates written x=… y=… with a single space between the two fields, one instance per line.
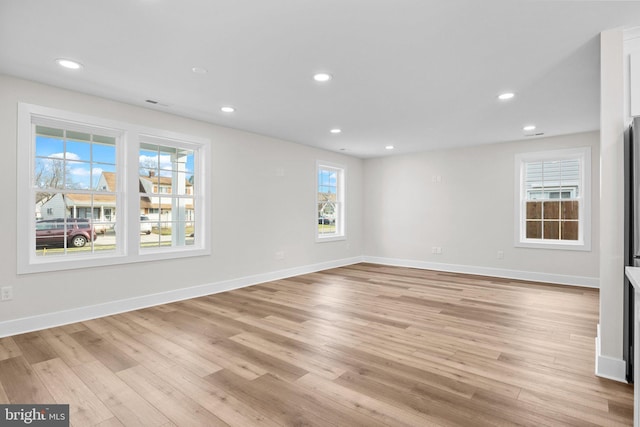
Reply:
x=166 y=231
x=326 y=228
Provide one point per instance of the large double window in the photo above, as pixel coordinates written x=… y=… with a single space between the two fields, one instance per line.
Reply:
x=95 y=192
x=553 y=193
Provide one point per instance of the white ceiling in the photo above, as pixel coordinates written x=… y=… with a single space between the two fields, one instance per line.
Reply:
x=416 y=74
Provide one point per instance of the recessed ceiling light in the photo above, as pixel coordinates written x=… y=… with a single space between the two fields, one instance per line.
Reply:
x=506 y=95
x=67 y=63
x=336 y=130
x=389 y=147
x=227 y=109
x=322 y=77
x=529 y=128
x=199 y=70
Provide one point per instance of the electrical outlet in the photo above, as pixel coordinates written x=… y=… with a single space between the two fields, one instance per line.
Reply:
x=6 y=293
x=439 y=250
x=280 y=255
x=500 y=254
x=436 y=250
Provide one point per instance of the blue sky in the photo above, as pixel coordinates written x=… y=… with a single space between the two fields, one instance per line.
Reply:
x=86 y=161
x=327 y=181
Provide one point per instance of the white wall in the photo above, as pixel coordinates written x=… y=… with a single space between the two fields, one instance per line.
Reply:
x=615 y=47
x=609 y=361
x=255 y=214
x=469 y=214
x=631 y=47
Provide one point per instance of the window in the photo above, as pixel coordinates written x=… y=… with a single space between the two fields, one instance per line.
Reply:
x=171 y=214
x=330 y=202
x=85 y=183
x=553 y=194
x=68 y=163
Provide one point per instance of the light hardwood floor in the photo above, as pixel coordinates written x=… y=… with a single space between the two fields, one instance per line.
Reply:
x=363 y=345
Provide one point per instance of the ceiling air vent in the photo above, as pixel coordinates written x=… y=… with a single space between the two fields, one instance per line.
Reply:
x=153 y=102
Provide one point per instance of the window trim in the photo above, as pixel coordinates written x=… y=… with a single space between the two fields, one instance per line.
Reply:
x=128 y=202
x=584 y=234
x=341 y=228
x=176 y=141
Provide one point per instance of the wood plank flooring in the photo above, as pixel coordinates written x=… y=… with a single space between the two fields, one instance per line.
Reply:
x=364 y=345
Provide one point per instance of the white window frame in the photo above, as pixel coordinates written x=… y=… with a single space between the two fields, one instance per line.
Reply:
x=129 y=136
x=340 y=221
x=583 y=154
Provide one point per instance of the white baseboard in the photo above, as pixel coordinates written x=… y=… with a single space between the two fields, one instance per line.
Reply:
x=50 y=320
x=588 y=282
x=609 y=367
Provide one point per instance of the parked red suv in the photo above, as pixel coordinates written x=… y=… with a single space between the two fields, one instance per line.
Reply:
x=51 y=232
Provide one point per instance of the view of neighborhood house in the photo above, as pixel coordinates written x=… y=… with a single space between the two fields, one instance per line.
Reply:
x=75 y=177
x=328 y=203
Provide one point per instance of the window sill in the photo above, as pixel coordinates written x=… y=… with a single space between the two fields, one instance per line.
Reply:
x=554 y=244
x=42 y=265
x=320 y=239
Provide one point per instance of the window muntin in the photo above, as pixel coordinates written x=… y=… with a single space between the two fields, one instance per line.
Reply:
x=67 y=168
x=329 y=201
x=94 y=184
x=554 y=199
x=171 y=210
